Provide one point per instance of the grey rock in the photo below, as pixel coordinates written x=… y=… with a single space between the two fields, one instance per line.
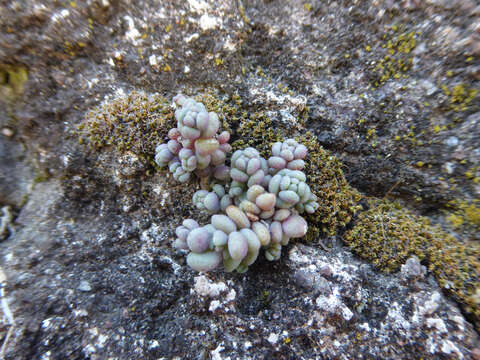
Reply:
x=412 y=269
x=322 y=286
x=304 y=279
x=16 y=174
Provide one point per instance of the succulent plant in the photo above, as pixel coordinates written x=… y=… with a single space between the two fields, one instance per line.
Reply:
x=287 y=155
x=247 y=168
x=194 y=145
x=292 y=191
x=258 y=203
x=212 y=201
x=258 y=206
x=245 y=223
x=236 y=240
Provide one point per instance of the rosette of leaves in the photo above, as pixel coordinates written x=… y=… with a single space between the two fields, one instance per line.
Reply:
x=194 y=145
x=288 y=154
x=235 y=240
x=292 y=191
x=212 y=201
x=248 y=168
x=259 y=211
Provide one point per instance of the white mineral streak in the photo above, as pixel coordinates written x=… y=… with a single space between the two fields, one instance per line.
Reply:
x=204 y=287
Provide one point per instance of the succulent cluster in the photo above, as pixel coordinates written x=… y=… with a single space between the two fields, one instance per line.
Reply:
x=194 y=145
x=247 y=222
x=259 y=204
x=289 y=154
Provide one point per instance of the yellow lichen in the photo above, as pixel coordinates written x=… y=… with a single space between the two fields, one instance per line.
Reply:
x=460 y=96
x=398 y=60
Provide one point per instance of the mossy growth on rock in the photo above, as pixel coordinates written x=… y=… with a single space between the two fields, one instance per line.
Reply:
x=464 y=216
x=260 y=132
x=12 y=80
x=135 y=123
x=387 y=235
x=337 y=199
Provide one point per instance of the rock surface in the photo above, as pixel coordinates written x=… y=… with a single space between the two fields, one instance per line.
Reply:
x=389 y=87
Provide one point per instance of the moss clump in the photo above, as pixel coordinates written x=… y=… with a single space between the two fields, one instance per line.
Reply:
x=337 y=200
x=259 y=132
x=465 y=217
x=12 y=80
x=387 y=235
x=134 y=123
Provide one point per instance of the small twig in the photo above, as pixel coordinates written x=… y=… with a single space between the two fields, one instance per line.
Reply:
x=383 y=230
x=323 y=246
x=4 y=346
x=393 y=187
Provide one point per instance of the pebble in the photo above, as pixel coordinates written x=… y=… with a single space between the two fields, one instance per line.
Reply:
x=449 y=167
x=413 y=269
x=452 y=141
x=304 y=279
x=84 y=286
x=326 y=270
x=322 y=286
x=7 y=132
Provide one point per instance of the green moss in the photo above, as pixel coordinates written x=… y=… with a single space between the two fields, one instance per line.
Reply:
x=465 y=217
x=337 y=200
x=134 y=123
x=259 y=132
x=388 y=234
x=12 y=80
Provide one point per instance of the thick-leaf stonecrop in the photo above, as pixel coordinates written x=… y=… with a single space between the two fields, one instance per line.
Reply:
x=194 y=144
x=257 y=206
